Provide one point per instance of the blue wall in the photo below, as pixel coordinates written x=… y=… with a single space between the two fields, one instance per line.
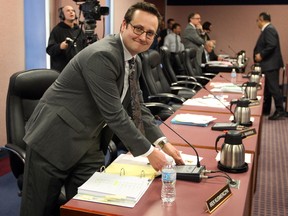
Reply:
x=35 y=40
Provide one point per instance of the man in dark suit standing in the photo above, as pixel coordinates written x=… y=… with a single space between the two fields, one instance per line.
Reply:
x=267 y=52
x=63 y=135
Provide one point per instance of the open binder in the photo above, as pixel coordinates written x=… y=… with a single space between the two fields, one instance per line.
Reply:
x=122 y=183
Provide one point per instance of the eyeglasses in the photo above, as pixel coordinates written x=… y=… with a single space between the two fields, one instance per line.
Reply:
x=138 y=30
x=198 y=18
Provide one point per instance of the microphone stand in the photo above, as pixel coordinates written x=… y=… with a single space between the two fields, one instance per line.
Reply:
x=197 y=155
x=221 y=102
x=188 y=172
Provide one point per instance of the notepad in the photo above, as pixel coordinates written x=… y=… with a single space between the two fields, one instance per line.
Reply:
x=129 y=165
x=192 y=119
x=122 y=183
x=113 y=189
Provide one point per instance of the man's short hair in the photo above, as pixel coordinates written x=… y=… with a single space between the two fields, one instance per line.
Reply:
x=191 y=15
x=143 y=6
x=265 y=16
x=175 y=25
x=170 y=20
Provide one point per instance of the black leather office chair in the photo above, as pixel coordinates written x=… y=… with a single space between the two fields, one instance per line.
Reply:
x=24 y=91
x=176 y=80
x=155 y=86
x=193 y=68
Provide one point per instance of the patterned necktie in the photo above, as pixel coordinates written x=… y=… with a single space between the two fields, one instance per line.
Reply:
x=135 y=100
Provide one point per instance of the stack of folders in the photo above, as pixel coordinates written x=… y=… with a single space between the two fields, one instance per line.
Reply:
x=122 y=183
x=192 y=119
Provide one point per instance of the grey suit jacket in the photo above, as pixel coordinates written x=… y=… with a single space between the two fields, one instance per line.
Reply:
x=70 y=117
x=268 y=45
x=191 y=37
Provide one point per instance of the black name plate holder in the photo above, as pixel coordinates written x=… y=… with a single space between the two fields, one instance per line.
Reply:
x=218 y=198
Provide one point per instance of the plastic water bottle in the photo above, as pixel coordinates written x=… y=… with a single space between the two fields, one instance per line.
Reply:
x=233 y=76
x=168 y=190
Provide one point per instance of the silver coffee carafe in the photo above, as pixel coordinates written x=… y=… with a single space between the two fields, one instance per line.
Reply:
x=232 y=156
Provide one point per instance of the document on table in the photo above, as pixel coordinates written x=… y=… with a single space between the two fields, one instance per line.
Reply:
x=122 y=183
x=113 y=189
x=208 y=101
x=192 y=119
x=226 y=87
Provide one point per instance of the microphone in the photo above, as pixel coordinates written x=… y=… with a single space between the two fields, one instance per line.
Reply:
x=221 y=102
x=222 y=51
x=159 y=119
x=224 y=78
x=187 y=172
x=235 y=53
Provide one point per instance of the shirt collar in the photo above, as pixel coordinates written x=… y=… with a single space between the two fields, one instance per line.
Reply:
x=192 y=25
x=264 y=26
x=127 y=55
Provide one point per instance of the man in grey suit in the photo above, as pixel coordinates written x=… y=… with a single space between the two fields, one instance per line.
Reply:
x=267 y=52
x=64 y=132
x=193 y=37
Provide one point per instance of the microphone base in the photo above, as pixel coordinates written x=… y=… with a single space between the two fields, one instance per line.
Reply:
x=190 y=173
x=249 y=124
x=240 y=169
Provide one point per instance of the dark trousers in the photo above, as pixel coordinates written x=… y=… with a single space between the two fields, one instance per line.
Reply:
x=272 y=89
x=43 y=181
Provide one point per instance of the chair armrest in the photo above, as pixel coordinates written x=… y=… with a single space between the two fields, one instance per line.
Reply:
x=184 y=77
x=176 y=89
x=166 y=98
x=159 y=105
x=209 y=75
x=19 y=152
x=188 y=84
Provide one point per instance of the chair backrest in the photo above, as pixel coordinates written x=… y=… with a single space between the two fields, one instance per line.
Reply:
x=167 y=65
x=189 y=61
x=24 y=91
x=178 y=63
x=153 y=79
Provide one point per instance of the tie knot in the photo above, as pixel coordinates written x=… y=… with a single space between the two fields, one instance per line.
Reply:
x=131 y=61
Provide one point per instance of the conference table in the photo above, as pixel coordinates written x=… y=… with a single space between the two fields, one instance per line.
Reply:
x=205 y=137
x=256 y=109
x=216 y=68
x=190 y=196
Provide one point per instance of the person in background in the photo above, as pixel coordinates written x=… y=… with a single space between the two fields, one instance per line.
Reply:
x=207 y=29
x=193 y=35
x=208 y=53
x=173 y=40
x=267 y=52
x=89 y=102
x=164 y=32
x=66 y=39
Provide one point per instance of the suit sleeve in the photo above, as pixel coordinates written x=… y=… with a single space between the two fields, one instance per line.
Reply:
x=270 y=42
x=194 y=36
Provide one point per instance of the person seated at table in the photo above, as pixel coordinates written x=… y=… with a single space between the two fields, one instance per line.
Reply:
x=208 y=53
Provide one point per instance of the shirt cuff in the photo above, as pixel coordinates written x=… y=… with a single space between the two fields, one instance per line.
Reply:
x=152 y=147
x=149 y=151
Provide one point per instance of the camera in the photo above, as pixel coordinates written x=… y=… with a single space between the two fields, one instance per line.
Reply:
x=92 y=11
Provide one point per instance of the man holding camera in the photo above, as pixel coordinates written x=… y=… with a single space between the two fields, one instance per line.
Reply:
x=66 y=39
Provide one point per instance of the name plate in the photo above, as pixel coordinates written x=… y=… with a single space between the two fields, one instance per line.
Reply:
x=218 y=198
x=249 y=132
